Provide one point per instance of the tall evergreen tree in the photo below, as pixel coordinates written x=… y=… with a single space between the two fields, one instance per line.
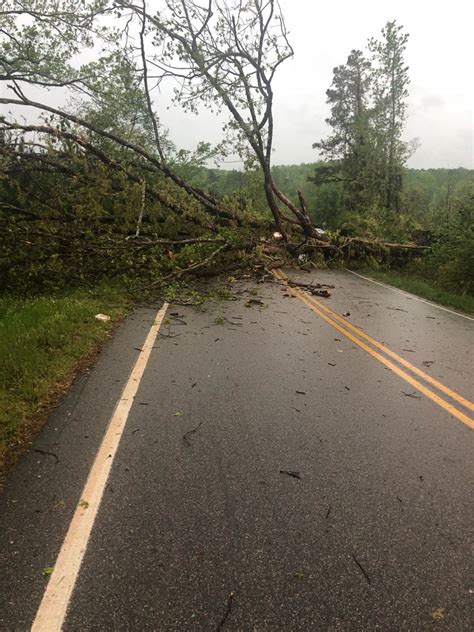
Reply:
x=365 y=149
x=349 y=145
x=390 y=91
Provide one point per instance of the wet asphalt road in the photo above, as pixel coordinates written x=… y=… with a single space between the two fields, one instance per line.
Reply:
x=375 y=535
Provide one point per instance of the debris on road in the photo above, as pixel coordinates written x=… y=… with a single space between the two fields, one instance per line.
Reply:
x=321 y=293
x=346 y=314
x=414 y=395
x=254 y=301
x=189 y=433
x=362 y=569
x=227 y=612
x=328 y=513
x=301 y=392
x=316 y=289
x=293 y=283
x=291 y=473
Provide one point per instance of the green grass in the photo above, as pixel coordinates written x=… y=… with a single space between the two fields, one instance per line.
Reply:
x=43 y=340
x=424 y=289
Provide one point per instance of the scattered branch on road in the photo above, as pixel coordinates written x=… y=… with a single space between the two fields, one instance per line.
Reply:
x=414 y=395
x=189 y=433
x=227 y=612
x=291 y=473
x=312 y=288
x=362 y=569
x=293 y=283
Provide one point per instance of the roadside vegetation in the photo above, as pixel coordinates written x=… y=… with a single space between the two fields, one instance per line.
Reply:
x=43 y=341
x=422 y=288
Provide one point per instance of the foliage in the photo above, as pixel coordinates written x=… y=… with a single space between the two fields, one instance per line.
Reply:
x=350 y=146
x=408 y=281
x=69 y=220
x=389 y=86
x=365 y=149
x=451 y=262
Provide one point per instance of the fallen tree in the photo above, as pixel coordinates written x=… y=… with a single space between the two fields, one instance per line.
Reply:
x=109 y=151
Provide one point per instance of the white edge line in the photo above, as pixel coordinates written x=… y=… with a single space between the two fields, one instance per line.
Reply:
x=422 y=300
x=52 y=610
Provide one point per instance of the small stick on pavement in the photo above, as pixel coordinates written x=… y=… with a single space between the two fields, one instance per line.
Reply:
x=361 y=568
x=190 y=432
x=414 y=395
x=227 y=612
x=291 y=473
x=328 y=512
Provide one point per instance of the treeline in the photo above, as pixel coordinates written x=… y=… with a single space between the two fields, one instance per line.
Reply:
x=427 y=195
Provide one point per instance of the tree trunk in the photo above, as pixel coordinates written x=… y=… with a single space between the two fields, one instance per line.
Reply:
x=268 y=186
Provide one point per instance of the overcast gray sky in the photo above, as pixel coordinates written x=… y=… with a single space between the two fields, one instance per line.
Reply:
x=439 y=53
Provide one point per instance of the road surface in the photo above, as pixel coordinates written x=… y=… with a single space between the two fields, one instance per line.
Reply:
x=267 y=467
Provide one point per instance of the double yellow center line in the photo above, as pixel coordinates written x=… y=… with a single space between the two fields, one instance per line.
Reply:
x=358 y=337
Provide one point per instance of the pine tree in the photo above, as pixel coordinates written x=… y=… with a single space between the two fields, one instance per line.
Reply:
x=390 y=81
x=365 y=149
x=349 y=147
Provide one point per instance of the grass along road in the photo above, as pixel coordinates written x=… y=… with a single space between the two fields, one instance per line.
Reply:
x=43 y=341
x=422 y=288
